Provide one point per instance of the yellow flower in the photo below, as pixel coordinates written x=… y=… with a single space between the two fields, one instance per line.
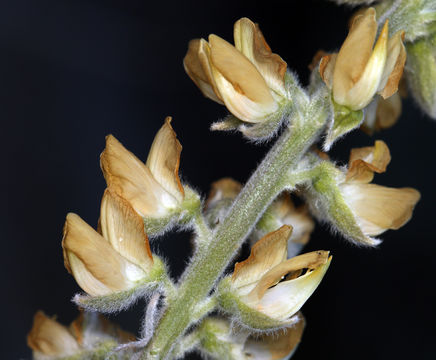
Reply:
x=358 y=71
x=376 y=208
x=248 y=78
x=49 y=340
x=153 y=188
x=276 y=287
x=112 y=262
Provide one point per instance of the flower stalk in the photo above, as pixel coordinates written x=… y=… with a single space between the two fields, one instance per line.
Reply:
x=207 y=267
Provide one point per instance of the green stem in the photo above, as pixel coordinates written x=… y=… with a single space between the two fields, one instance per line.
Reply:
x=208 y=265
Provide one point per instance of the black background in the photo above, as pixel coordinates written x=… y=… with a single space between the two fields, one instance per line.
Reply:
x=73 y=71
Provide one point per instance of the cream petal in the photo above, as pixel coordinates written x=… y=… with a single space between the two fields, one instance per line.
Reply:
x=363 y=90
x=394 y=67
x=286 y=298
x=276 y=346
x=95 y=265
x=124 y=229
x=88 y=282
x=164 y=160
x=197 y=66
x=242 y=88
x=290 y=268
x=50 y=338
x=249 y=41
x=354 y=54
x=379 y=208
x=130 y=178
x=268 y=252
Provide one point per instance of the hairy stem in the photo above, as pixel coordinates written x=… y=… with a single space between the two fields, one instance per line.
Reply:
x=210 y=262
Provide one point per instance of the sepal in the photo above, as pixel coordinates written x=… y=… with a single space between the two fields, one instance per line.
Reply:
x=421 y=73
x=343 y=121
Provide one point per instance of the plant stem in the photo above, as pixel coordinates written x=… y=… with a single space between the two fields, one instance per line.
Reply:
x=209 y=264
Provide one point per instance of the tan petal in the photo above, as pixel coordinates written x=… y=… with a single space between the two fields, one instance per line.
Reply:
x=164 y=160
x=225 y=188
x=268 y=252
x=275 y=346
x=96 y=266
x=394 y=65
x=379 y=208
x=326 y=69
x=365 y=161
x=287 y=297
x=316 y=59
x=197 y=66
x=50 y=338
x=132 y=180
x=354 y=53
x=310 y=261
x=364 y=89
x=378 y=155
x=124 y=229
x=242 y=87
x=249 y=41
x=388 y=111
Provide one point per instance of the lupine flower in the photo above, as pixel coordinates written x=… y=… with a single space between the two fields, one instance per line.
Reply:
x=49 y=340
x=248 y=78
x=276 y=287
x=359 y=71
x=112 y=262
x=376 y=208
x=220 y=342
x=154 y=188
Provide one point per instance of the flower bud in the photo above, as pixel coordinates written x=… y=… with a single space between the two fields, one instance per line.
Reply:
x=50 y=340
x=117 y=261
x=358 y=71
x=219 y=341
x=248 y=78
x=358 y=209
x=153 y=189
x=421 y=73
x=266 y=290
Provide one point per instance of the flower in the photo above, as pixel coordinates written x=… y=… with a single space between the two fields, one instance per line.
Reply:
x=49 y=340
x=154 y=188
x=382 y=114
x=248 y=78
x=219 y=341
x=271 y=286
x=376 y=208
x=358 y=71
x=118 y=259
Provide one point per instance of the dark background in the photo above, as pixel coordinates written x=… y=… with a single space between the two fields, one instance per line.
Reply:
x=73 y=71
